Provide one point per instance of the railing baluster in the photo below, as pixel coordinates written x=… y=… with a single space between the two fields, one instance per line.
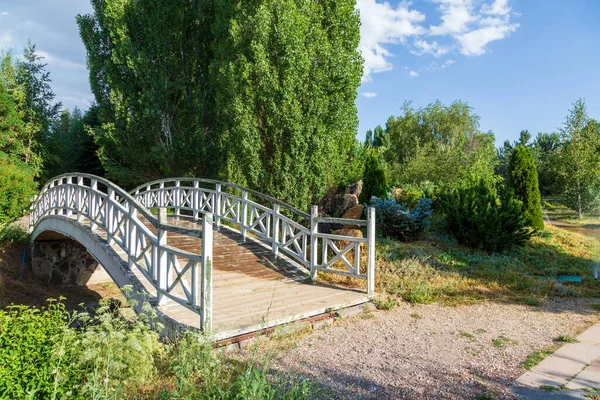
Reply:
x=217 y=205
x=195 y=200
x=275 y=245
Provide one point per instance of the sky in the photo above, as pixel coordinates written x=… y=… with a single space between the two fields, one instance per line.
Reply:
x=519 y=64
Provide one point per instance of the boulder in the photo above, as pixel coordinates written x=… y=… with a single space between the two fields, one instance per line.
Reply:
x=354 y=212
x=345 y=203
x=355 y=188
x=396 y=193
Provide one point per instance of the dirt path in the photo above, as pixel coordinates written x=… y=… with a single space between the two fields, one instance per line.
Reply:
x=431 y=351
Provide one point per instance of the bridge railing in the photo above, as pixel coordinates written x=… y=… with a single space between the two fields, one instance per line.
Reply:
x=175 y=274
x=288 y=230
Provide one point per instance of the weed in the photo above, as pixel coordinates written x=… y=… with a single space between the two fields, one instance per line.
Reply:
x=549 y=388
x=566 y=339
x=420 y=294
x=416 y=316
x=485 y=396
x=595 y=307
x=468 y=336
x=535 y=357
x=387 y=304
x=530 y=300
x=502 y=341
x=480 y=331
x=367 y=316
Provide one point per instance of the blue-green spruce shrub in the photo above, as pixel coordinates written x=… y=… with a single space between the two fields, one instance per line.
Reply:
x=394 y=220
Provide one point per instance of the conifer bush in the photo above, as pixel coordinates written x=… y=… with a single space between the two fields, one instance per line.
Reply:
x=482 y=219
x=523 y=180
x=374 y=183
x=394 y=220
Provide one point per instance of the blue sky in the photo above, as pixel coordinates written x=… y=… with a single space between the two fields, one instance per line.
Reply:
x=519 y=63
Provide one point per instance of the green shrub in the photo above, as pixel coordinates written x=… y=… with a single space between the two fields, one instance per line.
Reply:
x=481 y=219
x=408 y=195
x=16 y=189
x=374 y=183
x=523 y=180
x=34 y=359
x=396 y=221
x=419 y=294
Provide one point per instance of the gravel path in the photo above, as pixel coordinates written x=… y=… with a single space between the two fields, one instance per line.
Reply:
x=432 y=351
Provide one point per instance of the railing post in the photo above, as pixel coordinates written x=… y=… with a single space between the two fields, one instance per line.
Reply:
x=68 y=195
x=217 y=205
x=161 y=265
x=207 y=259
x=177 y=197
x=314 y=229
x=243 y=217
x=195 y=196
x=78 y=199
x=275 y=248
x=371 y=250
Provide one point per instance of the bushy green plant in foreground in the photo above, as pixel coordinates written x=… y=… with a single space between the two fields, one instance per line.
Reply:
x=396 y=221
x=109 y=357
x=481 y=219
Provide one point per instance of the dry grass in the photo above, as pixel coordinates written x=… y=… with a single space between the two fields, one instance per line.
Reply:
x=438 y=269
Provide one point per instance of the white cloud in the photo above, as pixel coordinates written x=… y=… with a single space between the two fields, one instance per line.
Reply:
x=3 y=13
x=383 y=24
x=369 y=95
x=5 y=41
x=465 y=27
x=59 y=62
x=413 y=74
x=433 y=48
x=456 y=16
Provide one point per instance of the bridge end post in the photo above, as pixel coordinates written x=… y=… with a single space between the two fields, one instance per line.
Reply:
x=371 y=250
x=244 y=217
x=206 y=274
x=314 y=229
x=275 y=244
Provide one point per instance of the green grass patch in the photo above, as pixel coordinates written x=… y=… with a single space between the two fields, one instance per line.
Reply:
x=502 y=341
x=535 y=357
x=468 y=336
x=385 y=304
x=566 y=339
x=549 y=388
x=595 y=307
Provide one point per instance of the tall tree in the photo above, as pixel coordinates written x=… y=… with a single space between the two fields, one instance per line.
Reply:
x=579 y=167
x=255 y=92
x=523 y=180
x=149 y=72
x=286 y=76
x=441 y=144
x=545 y=149
x=503 y=154
x=40 y=109
x=524 y=137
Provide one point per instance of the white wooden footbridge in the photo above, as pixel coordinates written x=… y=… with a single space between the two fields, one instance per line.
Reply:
x=225 y=260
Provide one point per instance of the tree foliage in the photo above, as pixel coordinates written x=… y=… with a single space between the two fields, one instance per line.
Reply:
x=545 y=150
x=579 y=156
x=523 y=180
x=441 y=144
x=254 y=92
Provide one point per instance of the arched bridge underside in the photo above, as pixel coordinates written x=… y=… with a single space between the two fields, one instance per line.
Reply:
x=209 y=255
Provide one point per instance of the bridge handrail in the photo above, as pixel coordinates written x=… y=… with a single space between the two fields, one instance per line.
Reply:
x=118 y=214
x=300 y=241
x=272 y=200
